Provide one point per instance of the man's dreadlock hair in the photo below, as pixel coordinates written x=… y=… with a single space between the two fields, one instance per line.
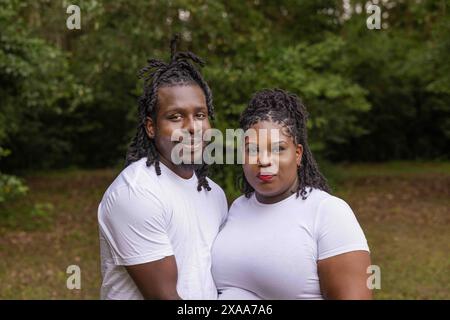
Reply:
x=158 y=74
x=286 y=109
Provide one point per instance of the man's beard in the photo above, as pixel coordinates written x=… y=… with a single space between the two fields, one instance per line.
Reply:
x=191 y=166
x=195 y=161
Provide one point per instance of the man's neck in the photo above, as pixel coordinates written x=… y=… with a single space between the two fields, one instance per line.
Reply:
x=184 y=172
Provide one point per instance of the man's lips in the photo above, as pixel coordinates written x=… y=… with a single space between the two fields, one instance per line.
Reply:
x=191 y=145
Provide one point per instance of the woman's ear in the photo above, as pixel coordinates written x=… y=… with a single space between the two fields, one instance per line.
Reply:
x=149 y=127
x=298 y=154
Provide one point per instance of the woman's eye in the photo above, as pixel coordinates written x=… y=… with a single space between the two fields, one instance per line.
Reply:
x=277 y=149
x=252 y=150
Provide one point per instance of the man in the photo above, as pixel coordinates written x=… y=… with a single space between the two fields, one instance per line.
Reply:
x=158 y=220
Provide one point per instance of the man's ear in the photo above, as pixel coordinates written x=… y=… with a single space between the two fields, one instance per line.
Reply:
x=298 y=154
x=149 y=127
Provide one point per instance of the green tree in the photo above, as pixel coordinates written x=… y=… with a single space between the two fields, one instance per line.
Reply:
x=36 y=89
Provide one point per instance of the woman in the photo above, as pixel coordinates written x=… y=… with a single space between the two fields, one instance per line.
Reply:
x=287 y=237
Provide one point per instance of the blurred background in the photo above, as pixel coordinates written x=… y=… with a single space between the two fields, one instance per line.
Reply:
x=379 y=104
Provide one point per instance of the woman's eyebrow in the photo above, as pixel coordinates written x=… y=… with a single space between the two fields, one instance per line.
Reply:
x=279 y=142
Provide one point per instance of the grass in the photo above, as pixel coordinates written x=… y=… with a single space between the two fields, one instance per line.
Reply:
x=403 y=207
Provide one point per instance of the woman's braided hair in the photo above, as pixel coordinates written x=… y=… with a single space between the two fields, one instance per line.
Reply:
x=286 y=109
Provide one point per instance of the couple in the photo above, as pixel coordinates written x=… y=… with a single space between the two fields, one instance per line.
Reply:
x=165 y=229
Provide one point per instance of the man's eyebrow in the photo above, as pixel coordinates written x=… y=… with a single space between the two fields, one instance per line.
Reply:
x=173 y=109
x=182 y=109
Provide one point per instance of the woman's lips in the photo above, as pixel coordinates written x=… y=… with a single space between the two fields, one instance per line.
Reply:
x=265 y=177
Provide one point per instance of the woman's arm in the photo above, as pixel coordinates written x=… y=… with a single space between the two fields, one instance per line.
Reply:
x=344 y=277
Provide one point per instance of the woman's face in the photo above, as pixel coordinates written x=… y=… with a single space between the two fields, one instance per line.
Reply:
x=271 y=161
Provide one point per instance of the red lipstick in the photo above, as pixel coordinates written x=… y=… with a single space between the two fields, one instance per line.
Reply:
x=265 y=177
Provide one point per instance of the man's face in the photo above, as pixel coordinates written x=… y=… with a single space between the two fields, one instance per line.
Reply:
x=180 y=108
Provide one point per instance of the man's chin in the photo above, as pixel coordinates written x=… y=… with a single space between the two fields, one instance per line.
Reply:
x=190 y=166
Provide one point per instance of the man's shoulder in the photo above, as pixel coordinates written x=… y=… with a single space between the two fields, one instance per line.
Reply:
x=214 y=186
x=217 y=190
x=135 y=194
x=135 y=176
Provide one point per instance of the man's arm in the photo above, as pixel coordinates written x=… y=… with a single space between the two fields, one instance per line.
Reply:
x=157 y=279
x=344 y=276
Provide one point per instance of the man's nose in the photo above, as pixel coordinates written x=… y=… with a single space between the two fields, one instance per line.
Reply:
x=189 y=125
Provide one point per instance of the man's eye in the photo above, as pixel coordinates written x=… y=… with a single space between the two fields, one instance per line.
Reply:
x=175 y=117
x=201 y=116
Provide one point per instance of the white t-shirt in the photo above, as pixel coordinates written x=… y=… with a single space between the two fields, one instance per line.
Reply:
x=270 y=251
x=144 y=217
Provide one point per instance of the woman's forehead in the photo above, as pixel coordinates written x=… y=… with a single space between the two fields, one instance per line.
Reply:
x=269 y=131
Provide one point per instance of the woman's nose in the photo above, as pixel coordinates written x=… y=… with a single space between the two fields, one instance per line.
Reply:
x=264 y=159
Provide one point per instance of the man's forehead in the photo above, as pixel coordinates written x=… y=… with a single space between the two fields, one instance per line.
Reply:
x=181 y=95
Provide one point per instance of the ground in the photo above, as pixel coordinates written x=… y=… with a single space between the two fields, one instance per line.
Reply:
x=403 y=208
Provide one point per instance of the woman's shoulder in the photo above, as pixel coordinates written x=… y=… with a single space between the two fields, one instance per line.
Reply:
x=313 y=196
x=322 y=199
x=325 y=200
x=316 y=200
x=328 y=209
x=316 y=195
x=240 y=201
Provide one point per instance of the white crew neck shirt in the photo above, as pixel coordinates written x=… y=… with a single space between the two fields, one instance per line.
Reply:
x=144 y=217
x=270 y=251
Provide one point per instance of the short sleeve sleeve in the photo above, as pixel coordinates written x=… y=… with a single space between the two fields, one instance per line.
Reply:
x=134 y=223
x=337 y=230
